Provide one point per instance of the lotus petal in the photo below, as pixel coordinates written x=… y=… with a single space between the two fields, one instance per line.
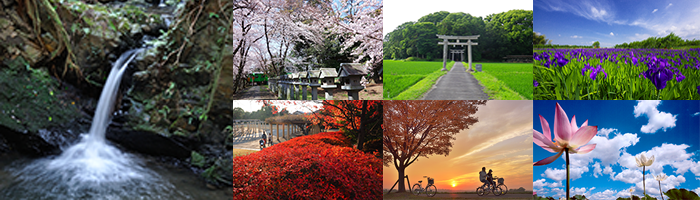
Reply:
x=548 y=159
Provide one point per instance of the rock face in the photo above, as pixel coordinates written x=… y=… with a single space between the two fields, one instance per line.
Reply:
x=175 y=98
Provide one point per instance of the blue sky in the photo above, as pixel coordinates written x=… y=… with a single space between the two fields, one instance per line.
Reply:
x=611 y=22
x=669 y=130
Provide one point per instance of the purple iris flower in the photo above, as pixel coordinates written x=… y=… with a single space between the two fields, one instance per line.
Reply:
x=679 y=77
x=536 y=83
x=634 y=61
x=536 y=56
x=658 y=76
x=561 y=60
x=698 y=89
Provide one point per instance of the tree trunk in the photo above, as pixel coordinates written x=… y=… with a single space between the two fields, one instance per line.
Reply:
x=363 y=127
x=402 y=185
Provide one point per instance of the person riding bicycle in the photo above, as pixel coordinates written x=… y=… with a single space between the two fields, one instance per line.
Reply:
x=489 y=177
x=483 y=176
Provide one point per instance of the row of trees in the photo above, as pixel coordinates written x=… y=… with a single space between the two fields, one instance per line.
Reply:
x=501 y=34
x=280 y=36
x=670 y=41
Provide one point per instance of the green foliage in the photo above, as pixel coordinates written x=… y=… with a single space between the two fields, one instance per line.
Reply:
x=670 y=41
x=579 y=197
x=538 y=39
x=197 y=159
x=501 y=34
x=596 y=44
x=681 y=194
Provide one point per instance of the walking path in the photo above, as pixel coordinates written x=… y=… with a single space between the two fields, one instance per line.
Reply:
x=248 y=139
x=255 y=93
x=456 y=85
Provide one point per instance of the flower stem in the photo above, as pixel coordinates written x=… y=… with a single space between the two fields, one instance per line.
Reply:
x=660 y=191
x=644 y=183
x=567 y=173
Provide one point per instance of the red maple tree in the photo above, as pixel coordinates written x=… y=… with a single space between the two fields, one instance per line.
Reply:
x=359 y=120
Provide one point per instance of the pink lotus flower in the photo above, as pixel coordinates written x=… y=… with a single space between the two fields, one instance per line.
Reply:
x=567 y=136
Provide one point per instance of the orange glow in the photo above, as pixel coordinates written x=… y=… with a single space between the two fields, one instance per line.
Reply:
x=500 y=141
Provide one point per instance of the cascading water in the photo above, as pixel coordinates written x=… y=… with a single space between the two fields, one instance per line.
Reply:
x=92 y=169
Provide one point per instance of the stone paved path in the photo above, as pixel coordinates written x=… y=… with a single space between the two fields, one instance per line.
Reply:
x=254 y=93
x=456 y=85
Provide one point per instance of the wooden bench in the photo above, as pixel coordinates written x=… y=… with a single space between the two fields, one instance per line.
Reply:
x=518 y=58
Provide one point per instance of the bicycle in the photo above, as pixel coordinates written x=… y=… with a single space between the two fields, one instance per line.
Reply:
x=483 y=190
x=501 y=185
x=429 y=190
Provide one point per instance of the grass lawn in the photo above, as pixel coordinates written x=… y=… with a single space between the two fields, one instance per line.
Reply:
x=410 y=80
x=242 y=152
x=506 y=81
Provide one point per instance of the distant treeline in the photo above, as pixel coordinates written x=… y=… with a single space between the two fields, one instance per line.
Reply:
x=557 y=46
x=670 y=41
x=506 y=33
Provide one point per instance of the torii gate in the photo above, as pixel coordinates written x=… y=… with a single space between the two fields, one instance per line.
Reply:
x=445 y=42
x=457 y=51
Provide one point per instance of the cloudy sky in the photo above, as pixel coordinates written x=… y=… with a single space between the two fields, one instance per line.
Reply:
x=397 y=12
x=668 y=130
x=499 y=141
x=611 y=22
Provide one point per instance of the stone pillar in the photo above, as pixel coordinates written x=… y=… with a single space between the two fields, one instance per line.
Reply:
x=314 y=93
x=303 y=92
x=469 y=47
x=353 y=95
x=444 y=55
x=278 y=131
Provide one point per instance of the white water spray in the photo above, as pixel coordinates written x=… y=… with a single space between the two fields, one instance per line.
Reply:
x=93 y=169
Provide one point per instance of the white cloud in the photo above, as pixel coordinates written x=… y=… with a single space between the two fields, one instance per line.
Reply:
x=606 y=150
x=602 y=11
x=604 y=195
x=696 y=114
x=612 y=34
x=539 y=183
x=654 y=10
x=575 y=172
x=582 y=191
x=669 y=5
x=629 y=176
x=657 y=119
x=697 y=190
x=605 y=131
x=576 y=36
x=597 y=170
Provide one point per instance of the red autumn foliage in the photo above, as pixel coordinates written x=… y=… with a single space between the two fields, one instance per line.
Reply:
x=321 y=166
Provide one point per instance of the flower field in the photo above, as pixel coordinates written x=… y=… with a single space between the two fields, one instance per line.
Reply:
x=321 y=166
x=616 y=74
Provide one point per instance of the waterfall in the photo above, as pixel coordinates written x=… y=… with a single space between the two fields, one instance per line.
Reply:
x=103 y=113
x=92 y=168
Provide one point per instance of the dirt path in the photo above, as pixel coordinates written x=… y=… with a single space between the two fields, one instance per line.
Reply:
x=456 y=85
x=255 y=93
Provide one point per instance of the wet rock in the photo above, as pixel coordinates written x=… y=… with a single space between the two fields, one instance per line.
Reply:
x=148 y=143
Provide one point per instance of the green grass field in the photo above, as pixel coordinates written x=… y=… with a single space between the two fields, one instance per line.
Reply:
x=515 y=76
x=400 y=76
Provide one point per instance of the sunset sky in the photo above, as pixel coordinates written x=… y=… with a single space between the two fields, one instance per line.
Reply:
x=500 y=141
